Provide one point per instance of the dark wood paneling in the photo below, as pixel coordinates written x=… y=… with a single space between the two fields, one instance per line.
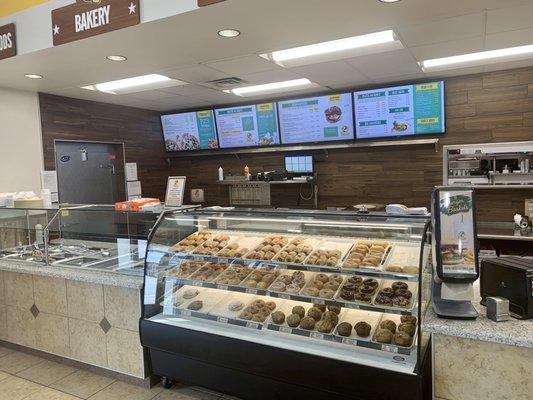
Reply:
x=492 y=107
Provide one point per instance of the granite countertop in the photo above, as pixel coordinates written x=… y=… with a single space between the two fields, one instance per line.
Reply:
x=75 y=274
x=513 y=332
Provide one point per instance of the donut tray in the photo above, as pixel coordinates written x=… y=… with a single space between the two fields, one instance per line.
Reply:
x=413 y=288
x=403 y=258
x=330 y=244
x=313 y=242
x=378 y=267
x=341 y=300
x=233 y=238
x=353 y=317
x=391 y=347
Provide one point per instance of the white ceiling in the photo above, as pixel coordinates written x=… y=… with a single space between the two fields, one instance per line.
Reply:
x=187 y=47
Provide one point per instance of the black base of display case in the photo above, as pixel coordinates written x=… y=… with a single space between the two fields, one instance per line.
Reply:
x=254 y=371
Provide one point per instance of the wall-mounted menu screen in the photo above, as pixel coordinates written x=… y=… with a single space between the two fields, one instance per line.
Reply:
x=190 y=131
x=316 y=119
x=247 y=126
x=400 y=111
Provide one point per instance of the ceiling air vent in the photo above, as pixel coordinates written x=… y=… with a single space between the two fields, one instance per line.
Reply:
x=227 y=83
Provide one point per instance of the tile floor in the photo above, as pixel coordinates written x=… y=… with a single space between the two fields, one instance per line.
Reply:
x=26 y=377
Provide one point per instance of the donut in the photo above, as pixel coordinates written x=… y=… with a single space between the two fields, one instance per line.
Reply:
x=403 y=293
x=399 y=285
x=383 y=300
x=400 y=301
x=326 y=293
x=347 y=295
x=371 y=282
x=387 y=292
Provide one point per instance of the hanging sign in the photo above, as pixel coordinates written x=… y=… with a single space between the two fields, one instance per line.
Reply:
x=87 y=18
x=8 y=42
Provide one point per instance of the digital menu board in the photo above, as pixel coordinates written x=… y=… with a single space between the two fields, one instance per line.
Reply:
x=247 y=126
x=400 y=111
x=189 y=131
x=316 y=119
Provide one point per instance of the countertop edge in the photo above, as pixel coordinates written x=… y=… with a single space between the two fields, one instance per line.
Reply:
x=102 y=278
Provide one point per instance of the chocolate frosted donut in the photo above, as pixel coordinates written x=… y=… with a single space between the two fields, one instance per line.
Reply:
x=388 y=292
x=400 y=301
x=399 y=285
x=356 y=280
x=367 y=289
x=363 y=297
x=371 y=282
x=383 y=300
x=403 y=293
x=347 y=295
x=350 y=286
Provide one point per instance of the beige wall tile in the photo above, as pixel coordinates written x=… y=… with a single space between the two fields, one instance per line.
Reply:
x=52 y=334
x=124 y=352
x=50 y=294
x=50 y=394
x=122 y=390
x=14 y=388
x=20 y=326
x=18 y=289
x=122 y=307
x=87 y=342
x=468 y=369
x=18 y=361
x=2 y=289
x=83 y=384
x=85 y=301
x=47 y=372
x=3 y=322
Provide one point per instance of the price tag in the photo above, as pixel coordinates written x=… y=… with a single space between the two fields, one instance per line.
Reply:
x=391 y=349
x=185 y=313
x=251 y=291
x=319 y=301
x=252 y=325
x=222 y=319
x=284 y=296
x=314 y=269
x=285 y=329
x=349 y=341
x=316 y=335
x=351 y=305
x=197 y=283
x=223 y=287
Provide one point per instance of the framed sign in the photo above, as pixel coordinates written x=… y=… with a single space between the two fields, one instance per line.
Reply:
x=175 y=191
x=87 y=18
x=8 y=41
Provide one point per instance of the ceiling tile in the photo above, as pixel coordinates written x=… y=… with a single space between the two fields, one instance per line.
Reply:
x=243 y=65
x=194 y=74
x=445 y=30
x=445 y=49
x=331 y=73
x=501 y=40
x=394 y=63
x=195 y=91
x=150 y=95
x=270 y=76
x=508 y=19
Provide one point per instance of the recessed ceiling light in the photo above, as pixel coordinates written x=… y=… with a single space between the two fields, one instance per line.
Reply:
x=33 y=76
x=229 y=33
x=389 y=1
x=480 y=58
x=274 y=87
x=116 y=58
x=336 y=49
x=135 y=84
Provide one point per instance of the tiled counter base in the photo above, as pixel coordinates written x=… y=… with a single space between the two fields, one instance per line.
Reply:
x=469 y=369
x=93 y=323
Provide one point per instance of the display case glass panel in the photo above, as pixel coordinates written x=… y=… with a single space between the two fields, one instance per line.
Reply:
x=340 y=285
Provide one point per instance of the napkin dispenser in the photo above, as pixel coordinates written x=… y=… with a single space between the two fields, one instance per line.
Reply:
x=512 y=279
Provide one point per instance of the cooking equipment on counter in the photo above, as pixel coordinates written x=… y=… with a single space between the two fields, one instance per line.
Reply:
x=510 y=278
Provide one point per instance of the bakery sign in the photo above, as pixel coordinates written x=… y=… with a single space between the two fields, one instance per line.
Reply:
x=8 y=43
x=87 y=18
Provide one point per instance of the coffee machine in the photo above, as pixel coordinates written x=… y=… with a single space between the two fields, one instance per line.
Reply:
x=455 y=252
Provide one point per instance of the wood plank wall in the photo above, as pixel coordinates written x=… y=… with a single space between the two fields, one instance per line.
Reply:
x=490 y=107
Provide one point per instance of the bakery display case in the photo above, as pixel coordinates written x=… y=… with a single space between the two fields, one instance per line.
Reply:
x=298 y=303
x=88 y=237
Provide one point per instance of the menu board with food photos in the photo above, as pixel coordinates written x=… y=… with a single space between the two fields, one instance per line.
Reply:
x=247 y=126
x=189 y=131
x=400 y=111
x=316 y=119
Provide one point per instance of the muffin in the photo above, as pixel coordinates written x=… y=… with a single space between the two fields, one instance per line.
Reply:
x=307 y=323
x=407 y=328
x=293 y=320
x=383 y=336
x=389 y=325
x=344 y=329
x=402 y=339
x=314 y=313
x=410 y=319
x=324 y=326
x=299 y=310
x=278 y=317
x=363 y=329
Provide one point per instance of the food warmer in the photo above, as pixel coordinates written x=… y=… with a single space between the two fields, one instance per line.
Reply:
x=271 y=304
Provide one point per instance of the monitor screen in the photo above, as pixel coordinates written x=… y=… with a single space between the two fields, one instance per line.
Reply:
x=400 y=111
x=299 y=164
x=316 y=119
x=189 y=131
x=247 y=126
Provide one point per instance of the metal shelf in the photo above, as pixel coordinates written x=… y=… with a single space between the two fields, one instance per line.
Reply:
x=321 y=147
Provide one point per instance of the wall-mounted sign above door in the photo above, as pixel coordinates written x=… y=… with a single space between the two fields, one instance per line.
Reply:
x=87 y=18
x=8 y=42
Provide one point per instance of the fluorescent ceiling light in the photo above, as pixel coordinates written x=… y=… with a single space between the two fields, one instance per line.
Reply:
x=116 y=58
x=135 y=84
x=480 y=58
x=336 y=49
x=274 y=87
x=229 y=33
x=33 y=76
x=389 y=1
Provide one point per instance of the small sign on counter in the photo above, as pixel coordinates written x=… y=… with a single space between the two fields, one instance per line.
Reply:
x=131 y=172
x=175 y=191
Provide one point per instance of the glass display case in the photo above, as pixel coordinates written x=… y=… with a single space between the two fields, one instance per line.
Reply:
x=306 y=302
x=90 y=237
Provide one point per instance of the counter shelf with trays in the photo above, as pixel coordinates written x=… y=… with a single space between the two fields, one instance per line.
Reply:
x=177 y=337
